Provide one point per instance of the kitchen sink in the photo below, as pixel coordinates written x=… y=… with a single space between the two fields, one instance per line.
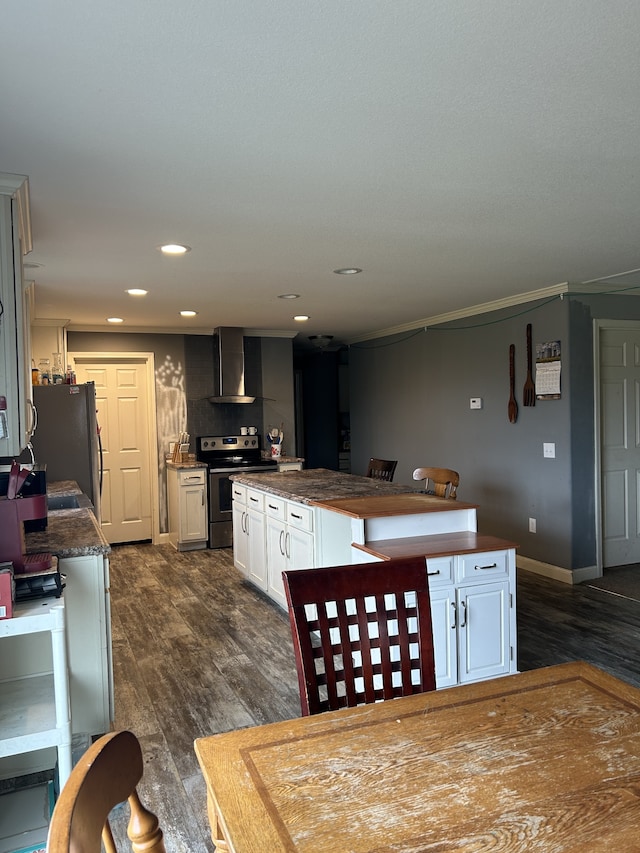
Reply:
x=62 y=502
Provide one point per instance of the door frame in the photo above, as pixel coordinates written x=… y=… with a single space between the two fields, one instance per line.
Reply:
x=148 y=360
x=598 y=327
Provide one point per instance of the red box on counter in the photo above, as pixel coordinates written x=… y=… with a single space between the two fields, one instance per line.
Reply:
x=7 y=591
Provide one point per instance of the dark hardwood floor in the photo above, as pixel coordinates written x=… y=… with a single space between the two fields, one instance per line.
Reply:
x=196 y=650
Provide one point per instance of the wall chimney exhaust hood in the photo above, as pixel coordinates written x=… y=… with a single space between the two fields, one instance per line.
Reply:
x=230 y=378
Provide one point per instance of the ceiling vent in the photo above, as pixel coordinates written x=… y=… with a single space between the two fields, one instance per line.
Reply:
x=230 y=377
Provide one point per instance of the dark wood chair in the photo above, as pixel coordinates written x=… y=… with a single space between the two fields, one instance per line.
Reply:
x=381 y=469
x=361 y=633
x=107 y=774
x=442 y=482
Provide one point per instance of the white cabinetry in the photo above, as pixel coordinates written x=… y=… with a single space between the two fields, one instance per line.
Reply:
x=240 y=528
x=187 y=508
x=16 y=417
x=34 y=709
x=255 y=524
x=289 y=542
x=88 y=607
x=471 y=576
x=249 y=553
x=473 y=616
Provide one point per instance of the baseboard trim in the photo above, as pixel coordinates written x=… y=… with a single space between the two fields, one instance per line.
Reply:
x=548 y=570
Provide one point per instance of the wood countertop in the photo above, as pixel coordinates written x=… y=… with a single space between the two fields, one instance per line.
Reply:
x=436 y=545
x=381 y=506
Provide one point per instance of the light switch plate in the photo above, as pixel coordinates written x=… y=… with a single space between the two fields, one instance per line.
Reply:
x=549 y=450
x=475 y=403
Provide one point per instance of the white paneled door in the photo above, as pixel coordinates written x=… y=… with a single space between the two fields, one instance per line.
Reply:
x=620 y=443
x=123 y=414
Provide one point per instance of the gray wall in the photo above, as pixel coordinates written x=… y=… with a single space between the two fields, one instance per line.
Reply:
x=410 y=401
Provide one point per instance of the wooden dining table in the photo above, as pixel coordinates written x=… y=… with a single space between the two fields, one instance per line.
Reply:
x=543 y=760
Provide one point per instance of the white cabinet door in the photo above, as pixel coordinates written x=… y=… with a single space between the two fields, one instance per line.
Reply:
x=16 y=420
x=240 y=537
x=193 y=513
x=257 y=562
x=89 y=642
x=188 y=524
x=445 y=645
x=483 y=631
x=276 y=558
x=289 y=545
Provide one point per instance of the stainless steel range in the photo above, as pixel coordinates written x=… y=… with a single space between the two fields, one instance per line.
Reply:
x=225 y=455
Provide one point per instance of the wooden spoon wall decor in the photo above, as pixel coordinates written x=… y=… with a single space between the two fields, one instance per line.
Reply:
x=512 y=408
x=529 y=390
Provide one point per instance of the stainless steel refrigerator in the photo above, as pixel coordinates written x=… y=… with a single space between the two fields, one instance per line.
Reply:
x=67 y=438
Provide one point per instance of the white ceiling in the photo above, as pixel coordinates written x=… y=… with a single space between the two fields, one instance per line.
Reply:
x=458 y=151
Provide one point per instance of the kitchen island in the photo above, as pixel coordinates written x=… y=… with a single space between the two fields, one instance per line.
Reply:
x=316 y=517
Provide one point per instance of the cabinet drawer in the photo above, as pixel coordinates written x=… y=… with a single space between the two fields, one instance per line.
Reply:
x=488 y=564
x=192 y=478
x=255 y=500
x=440 y=570
x=276 y=507
x=299 y=515
x=239 y=493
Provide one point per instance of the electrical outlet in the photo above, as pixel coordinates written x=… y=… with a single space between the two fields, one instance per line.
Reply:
x=549 y=450
x=532 y=525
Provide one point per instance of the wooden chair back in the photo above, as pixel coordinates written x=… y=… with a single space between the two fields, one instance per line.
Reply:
x=442 y=482
x=107 y=774
x=381 y=469
x=361 y=633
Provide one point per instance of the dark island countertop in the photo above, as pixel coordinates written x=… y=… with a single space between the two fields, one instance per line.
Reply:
x=70 y=532
x=314 y=485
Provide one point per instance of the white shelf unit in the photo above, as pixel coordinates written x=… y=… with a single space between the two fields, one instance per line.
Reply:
x=35 y=712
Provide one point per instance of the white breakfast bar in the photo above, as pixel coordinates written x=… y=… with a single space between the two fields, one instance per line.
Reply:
x=316 y=517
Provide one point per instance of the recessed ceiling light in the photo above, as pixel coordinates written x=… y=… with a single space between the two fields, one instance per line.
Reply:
x=188 y=313
x=300 y=318
x=348 y=271
x=115 y=320
x=174 y=249
x=289 y=296
x=136 y=291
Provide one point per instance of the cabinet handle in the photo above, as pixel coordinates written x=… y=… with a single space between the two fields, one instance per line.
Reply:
x=492 y=566
x=287 y=540
x=255 y=500
x=271 y=506
x=282 y=550
x=431 y=574
x=244 y=522
x=32 y=418
x=463 y=604
x=299 y=517
x=455 y=613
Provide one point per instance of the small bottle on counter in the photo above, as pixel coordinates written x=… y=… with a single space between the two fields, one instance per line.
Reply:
x=71 y=375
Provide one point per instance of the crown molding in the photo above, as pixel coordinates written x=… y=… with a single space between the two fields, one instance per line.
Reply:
x=159 y=330
x=471 y=311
